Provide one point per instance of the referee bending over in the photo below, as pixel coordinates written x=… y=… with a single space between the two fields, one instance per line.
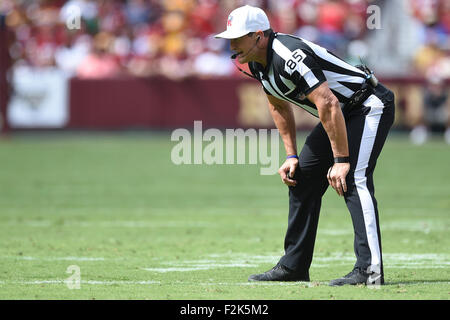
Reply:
x=355 y=112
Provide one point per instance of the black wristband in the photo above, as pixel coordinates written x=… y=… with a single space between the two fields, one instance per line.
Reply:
x=341 y=159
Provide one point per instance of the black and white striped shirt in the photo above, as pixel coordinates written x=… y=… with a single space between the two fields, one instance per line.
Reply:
x=295 y=67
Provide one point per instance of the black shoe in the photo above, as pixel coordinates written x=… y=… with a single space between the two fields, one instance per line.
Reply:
x=279 y=273
x=359 y=276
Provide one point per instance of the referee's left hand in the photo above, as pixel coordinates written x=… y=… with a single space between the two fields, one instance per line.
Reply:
x=336 y=177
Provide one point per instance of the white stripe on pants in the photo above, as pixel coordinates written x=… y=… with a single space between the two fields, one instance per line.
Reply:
x=367 y=142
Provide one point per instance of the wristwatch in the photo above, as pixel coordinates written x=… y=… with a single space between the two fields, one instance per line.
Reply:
x=341 y=159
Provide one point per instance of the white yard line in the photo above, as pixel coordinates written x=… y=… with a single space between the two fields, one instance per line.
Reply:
x=90 y=282
x=424 y=226
x=111 y=224
x=60 y=258
x=175 y=269
x=242 y=260
x=239 y=260
x=70 y=258
x=184 y=283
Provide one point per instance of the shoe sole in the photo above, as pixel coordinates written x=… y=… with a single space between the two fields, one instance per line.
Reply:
x=355 y=284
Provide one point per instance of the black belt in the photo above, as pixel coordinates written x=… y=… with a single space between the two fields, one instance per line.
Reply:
x=366 y=90
x=359 y=97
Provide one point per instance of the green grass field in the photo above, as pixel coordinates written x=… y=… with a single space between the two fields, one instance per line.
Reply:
x=140 y=227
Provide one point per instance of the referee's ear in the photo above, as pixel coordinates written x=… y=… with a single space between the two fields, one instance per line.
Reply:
x=259 y=35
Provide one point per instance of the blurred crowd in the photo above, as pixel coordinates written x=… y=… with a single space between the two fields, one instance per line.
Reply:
x=169 y=37
x=432 y=59
x=93 y=39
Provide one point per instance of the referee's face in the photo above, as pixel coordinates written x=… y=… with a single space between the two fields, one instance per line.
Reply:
x=244 y=46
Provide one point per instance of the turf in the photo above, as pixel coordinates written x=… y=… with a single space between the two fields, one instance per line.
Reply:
x=140 y=227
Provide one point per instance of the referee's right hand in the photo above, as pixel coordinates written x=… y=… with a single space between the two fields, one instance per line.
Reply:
x=287 y=171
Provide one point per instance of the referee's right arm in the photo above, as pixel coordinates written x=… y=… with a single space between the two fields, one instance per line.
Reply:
x=283 y=116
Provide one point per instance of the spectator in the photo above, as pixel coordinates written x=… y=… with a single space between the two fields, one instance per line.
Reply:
x=69 y=56
x=213 y=61
x=137 y=12
x=436 y=112
x=99 y=63
x=331 y=18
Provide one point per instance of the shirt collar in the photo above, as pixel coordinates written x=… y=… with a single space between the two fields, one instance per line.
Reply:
x=269 y=52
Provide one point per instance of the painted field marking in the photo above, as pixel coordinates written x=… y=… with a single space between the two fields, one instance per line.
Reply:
x=242 y=260
x=90 y=282
x=61 y=258
x=70 y=258
x=175 y=269
x=239 y=260
x=111 y=224
x=293 y=283
x=425 y=226
x=183 y=283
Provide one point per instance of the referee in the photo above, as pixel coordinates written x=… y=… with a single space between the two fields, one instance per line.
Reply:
x=355 y=112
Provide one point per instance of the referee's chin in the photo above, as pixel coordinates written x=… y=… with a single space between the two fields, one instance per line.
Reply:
x=243 y=60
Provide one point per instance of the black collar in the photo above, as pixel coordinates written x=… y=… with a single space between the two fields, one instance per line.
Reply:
x=269 y=52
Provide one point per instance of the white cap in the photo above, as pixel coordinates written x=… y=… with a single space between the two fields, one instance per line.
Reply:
x=244 y=20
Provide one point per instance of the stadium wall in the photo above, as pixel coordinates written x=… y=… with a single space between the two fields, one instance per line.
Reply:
x=161 y=103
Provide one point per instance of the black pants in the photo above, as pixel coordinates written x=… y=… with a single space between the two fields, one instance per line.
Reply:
x=367 y=129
